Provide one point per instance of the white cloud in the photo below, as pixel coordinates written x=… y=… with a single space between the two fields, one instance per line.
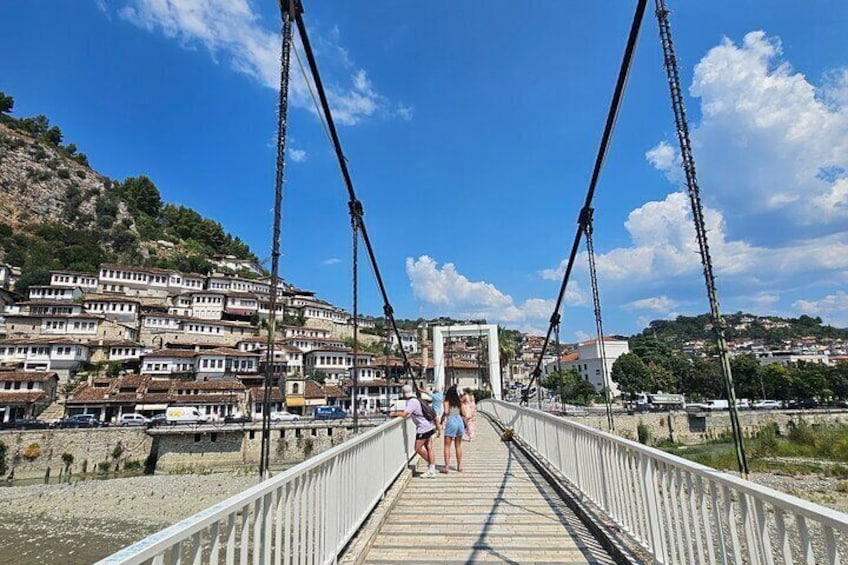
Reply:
x=454 y=294
x=664 y=246
x=662 y=304
x=833 y=308
x=766 y=299
x=582 y=336
x=331 y=261
x=233 y=29
x=767 y=134
x=297 y=155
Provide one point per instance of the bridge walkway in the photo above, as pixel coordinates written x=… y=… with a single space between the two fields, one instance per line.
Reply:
x=498 y=510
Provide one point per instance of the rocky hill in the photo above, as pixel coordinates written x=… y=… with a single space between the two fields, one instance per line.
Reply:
x=58 y=213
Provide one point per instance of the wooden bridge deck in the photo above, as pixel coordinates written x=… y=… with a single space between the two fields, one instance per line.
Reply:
x=498 y=510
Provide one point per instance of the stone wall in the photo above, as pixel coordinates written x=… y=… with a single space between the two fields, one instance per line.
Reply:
x=206 y=448
x=686 y=428
x=30 y=453
x=176 y=449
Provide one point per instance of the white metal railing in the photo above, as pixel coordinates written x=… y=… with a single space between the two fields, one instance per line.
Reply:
x=306 y=514
x=679 y=511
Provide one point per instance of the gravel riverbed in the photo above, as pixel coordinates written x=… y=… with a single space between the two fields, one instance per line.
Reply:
x=85 y=521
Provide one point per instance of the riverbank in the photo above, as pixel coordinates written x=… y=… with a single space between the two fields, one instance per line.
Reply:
x=82 y=522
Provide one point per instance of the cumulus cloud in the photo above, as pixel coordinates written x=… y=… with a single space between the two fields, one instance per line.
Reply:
x=664 y=245
x=767 y=134
x=833 y=308
x=232 y=29
x=454 y=294
x=772 y=155
x=662 y=304
x=297 y=155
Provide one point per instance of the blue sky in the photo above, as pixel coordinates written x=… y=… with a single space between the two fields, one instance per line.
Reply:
x=470 y=129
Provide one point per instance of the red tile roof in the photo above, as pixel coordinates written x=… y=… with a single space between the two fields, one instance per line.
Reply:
x=23 y=376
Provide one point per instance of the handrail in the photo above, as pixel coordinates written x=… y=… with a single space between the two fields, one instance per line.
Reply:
x=309 y=512
x=678 y=510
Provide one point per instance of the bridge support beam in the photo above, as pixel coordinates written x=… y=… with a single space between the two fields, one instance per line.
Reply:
x=490 y=331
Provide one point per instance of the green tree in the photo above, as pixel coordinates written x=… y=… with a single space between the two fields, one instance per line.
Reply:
x=746 y=376
x=703 y=380
x=319 y=377
x=631 y=374
x=663 y=378
x=142 y=195
x=6 y=103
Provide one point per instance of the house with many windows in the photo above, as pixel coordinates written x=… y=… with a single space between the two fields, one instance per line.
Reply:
x=60 y=355
x=25 y=394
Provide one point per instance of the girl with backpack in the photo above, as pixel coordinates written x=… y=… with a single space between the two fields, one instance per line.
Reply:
x=453 y=422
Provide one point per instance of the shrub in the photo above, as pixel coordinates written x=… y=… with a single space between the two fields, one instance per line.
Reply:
x=3 y=451
x=67 y=459
x=32 y=452
x=85 y=466
x=643 y=433
x=117 y=451
x=103 y=466
x=133 y=465
x=63 y=173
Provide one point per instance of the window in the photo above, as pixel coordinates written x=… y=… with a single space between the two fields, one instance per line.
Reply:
x=295 y=388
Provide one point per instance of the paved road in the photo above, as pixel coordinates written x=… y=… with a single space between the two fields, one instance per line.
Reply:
x=499 y=510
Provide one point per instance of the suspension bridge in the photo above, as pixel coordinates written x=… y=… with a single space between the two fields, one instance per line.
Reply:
x=538 y=488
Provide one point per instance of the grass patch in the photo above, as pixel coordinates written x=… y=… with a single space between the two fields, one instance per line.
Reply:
x=816 y=448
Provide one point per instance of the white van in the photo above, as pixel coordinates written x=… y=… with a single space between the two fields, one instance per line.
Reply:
x=133 y=419
x=183 y=415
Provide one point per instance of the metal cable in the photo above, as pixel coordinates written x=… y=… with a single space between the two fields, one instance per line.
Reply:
x=342 y=160
x=612 y=115
x=282 y=111
x=599 y=325
x=354 y=225
x=688 y=162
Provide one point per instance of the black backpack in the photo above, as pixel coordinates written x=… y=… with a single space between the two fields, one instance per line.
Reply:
x=427 y=409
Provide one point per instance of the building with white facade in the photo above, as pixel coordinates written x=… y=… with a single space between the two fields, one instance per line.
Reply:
x=57 y=354
x=24 y=395
x=587 y=361
x=408 y=340
x=86 y=281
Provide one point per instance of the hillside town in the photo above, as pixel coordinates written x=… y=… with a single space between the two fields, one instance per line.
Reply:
x=130 y=339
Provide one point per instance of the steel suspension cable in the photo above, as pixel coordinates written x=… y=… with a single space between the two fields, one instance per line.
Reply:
x=354 y=225
x=688 y=163
x=612 y=115
x=282 y=111
x=353 y=200
x=599 y=324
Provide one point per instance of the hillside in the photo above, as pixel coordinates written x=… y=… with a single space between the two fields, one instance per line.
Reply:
x=56 y=212
x=740 y=325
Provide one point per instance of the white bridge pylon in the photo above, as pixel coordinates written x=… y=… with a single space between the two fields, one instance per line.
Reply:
x=490 y=331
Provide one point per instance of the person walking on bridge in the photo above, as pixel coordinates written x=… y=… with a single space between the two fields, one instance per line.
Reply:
x=424 y=430
x=453 y=422
x=470 y=406
x=438 y=399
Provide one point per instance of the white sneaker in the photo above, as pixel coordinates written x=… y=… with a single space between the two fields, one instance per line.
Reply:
x=430 y=473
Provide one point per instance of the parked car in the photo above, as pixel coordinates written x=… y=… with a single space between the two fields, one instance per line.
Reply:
x=183 y=415
x=133 y=419
x=157 y=420
x=24 y=425
x=766 y=405
x=329 y=413
x=284 y=416
x=237 y=419
x=80 y=421
x=804 y=403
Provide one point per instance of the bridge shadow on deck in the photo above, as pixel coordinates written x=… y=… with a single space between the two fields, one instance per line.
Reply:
x=499 y=510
